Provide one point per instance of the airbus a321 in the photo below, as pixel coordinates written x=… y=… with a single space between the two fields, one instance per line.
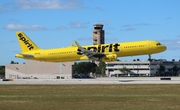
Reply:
x=102 y=52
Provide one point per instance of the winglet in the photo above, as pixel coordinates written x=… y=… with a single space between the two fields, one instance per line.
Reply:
x=77 y=44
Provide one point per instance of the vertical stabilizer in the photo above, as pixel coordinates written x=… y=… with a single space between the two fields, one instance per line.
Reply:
x=26 y=43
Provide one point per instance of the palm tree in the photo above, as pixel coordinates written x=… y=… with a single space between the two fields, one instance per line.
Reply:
x=125 y=70
x=175 y=70
x=162 y=69
x=101 y=69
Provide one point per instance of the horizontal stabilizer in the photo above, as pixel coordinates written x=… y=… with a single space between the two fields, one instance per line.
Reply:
x=20 y=55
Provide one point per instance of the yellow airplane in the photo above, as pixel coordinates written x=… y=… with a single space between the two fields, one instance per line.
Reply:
x=102 y=52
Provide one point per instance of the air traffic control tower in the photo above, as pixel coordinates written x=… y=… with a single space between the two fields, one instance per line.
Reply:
x=98 y=34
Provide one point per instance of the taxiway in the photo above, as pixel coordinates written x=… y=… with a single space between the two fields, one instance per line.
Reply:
x=121 y=80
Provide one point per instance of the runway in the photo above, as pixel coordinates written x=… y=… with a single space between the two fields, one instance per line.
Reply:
x=119 y=80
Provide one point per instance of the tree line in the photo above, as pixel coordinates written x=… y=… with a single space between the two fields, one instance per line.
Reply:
x=2 y=68
x=89 y=67
x=161 y=71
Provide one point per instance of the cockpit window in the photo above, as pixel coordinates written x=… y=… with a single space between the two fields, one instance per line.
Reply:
x=158 y=44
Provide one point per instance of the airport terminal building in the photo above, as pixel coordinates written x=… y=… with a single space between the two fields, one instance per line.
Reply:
x=39 y=70
x=143 y=68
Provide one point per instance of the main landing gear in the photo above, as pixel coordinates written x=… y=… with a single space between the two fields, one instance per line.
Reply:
x=150 y=58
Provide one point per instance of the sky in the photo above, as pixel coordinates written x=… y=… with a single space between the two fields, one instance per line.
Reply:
x=57 y=23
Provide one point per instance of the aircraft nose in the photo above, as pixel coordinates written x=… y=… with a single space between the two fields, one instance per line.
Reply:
x=164 y=48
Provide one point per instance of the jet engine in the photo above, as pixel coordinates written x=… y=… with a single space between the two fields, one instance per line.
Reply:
x=110 y=58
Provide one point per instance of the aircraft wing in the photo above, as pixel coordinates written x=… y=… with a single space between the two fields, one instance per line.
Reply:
x=89 y=53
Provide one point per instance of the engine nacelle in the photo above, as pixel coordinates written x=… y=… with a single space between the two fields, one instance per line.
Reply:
x=110 y=58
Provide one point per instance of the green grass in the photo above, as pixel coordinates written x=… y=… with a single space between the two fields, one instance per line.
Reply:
x=89 y=97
